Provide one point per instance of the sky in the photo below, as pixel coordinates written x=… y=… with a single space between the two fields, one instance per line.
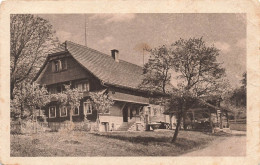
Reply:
x=125 y=32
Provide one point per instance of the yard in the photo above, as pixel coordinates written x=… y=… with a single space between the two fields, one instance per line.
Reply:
x=79 y=144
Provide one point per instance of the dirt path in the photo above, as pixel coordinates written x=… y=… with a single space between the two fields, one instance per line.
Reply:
x=226 y=146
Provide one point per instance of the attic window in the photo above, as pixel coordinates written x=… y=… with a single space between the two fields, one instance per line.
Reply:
x=59 y=65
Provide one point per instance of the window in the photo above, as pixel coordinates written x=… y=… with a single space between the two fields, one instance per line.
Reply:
x=52 y=112
x=56 y=65
x=83 y=86
x=76 y=111
x=59 y=65
x=87 y=107
x=63 y=111
x=63 y=64
x=58 y=88
x=52 y=90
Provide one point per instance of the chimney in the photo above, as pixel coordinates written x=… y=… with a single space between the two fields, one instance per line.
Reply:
x=115 y=55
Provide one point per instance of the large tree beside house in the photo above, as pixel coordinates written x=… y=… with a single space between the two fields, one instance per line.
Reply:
x=31 y=38
x=196 y=69
x=27 y=98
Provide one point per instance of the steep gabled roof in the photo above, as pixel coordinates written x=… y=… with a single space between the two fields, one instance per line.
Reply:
x=105 y=68
x=102 y=66
x=110 y=72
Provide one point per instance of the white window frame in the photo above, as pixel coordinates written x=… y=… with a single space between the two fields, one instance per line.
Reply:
x=54 y=111
x=74 y=111
x=79 y=85
x=85 y=110
x=58 y=68
x=65 y=111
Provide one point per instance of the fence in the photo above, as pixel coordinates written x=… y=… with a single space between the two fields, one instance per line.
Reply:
x=80 y=126
x=23 y=127
x=239 y=124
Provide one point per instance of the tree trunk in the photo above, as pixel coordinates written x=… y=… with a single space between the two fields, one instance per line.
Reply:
x=227 y=119
x=170 y=120
x=12 y=89
x=184 y=120
x=71 y=111
x=98 y=123
x=193 y=119
x=177 y=129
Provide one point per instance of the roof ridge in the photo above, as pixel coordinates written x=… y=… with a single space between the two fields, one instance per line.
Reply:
x=100 y=52
x=88 y=48
x=131 y=63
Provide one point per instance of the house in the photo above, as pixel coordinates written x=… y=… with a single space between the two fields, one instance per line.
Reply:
x=93 y=71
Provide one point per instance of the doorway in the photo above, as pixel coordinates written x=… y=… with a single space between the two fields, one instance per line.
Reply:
x=125 y=114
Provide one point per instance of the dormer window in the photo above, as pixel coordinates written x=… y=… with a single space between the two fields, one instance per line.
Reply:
x=59 y=65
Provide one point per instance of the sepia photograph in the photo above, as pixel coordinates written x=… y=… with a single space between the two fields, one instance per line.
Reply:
x=128 y=85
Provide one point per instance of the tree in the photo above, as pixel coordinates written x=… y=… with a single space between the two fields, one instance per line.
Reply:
x=31 y=38
x=101 y=102
x=198 y=69
x=235 y=99
x=69 y=97
x=157 y=70
x=30 y=96
x=198 y=72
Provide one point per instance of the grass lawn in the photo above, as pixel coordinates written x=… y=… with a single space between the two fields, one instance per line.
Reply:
x=108 y=144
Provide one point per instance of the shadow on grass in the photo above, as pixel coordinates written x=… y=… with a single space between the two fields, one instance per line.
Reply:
x=162 y=141
x=136 y=139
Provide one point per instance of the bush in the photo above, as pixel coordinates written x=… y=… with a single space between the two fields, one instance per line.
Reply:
x=26 y=127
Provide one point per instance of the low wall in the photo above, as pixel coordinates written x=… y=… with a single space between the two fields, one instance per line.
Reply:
x=114 y=121
x=239 y=125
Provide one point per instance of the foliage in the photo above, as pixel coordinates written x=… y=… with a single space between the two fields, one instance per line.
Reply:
x=198 y=68
x=69 y=97
x=157 y=70
x=31 y=38
x=235 y=99
x=28 y=96
x=102 y=102
x=198 y=72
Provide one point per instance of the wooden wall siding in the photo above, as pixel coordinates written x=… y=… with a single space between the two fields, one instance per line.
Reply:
x=77 y=118
x=131 y=98
x=74 y=71
x=115 y=110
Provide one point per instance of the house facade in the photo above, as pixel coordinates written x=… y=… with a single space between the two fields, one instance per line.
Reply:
x=92 y=71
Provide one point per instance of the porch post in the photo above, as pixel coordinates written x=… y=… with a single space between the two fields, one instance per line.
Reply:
x=170 y=120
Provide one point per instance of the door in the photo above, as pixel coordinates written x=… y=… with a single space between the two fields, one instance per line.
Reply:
x=125 y=114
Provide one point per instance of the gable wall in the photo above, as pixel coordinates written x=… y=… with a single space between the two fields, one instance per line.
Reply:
x=74 y=71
